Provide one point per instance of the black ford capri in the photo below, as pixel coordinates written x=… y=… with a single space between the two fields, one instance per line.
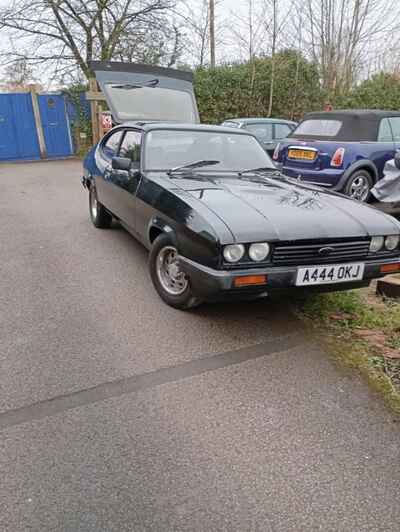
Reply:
x=217 y=217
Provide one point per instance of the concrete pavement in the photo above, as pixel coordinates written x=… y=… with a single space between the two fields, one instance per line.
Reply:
x=120 y=413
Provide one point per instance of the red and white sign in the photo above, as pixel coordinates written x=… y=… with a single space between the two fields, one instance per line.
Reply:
x=105 y=121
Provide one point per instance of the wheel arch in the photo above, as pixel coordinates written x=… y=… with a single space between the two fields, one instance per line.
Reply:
x=363 y=164
x=158 y=226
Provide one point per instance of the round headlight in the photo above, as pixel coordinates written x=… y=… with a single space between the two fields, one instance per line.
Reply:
x=391 y=242
x=233 y=252
x=259 y=252
x=377 y=243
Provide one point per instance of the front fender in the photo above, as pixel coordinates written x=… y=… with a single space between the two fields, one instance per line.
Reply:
x=162 y=226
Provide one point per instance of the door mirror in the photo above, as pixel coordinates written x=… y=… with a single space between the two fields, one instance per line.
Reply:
x=121 y=163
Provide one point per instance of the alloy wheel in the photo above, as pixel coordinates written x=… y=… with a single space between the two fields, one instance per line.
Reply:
x=172 y=279
x=359 y=188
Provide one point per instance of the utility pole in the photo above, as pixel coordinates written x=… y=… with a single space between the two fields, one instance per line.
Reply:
x=212 y=32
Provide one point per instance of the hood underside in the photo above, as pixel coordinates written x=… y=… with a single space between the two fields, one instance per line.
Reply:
x=147 y=93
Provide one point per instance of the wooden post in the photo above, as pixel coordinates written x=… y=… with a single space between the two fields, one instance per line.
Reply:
x=212 y=32
x=94 y=111
x=38 y=122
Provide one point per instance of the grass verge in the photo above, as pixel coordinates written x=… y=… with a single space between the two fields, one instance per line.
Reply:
x=363 y=332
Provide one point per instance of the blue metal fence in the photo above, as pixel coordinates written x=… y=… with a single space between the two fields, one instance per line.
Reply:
x=18 y=136
x=56 y=131
x=18 y=129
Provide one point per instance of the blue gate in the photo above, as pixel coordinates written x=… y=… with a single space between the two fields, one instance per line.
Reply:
x=18 y=137
x=55 y=125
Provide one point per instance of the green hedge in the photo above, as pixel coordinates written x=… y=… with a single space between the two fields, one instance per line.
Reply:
x=382 y=91
x=243 y=89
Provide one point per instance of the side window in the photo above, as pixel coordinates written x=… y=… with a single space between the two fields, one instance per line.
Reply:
x=110 y=148
x=130 y=147
x=262 y=131
x=385 y=131
x=282 y=131
x=395 y=123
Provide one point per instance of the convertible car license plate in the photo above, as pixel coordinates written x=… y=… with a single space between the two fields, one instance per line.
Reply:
x=338 y=273
x=305 y=155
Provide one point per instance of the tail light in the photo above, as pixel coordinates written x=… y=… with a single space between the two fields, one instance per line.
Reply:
x=337 y=159
x=276 y=152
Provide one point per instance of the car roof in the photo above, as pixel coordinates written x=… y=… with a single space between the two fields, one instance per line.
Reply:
x=258 y=119
x=366 y=114
x=173 y=126
x=356 y=125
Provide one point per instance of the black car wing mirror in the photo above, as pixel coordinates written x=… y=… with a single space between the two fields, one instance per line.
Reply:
x=121 y=163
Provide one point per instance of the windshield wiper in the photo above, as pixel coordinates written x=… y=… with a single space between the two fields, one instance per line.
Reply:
x=276 y=174
x=192 y=166
x=266 y=170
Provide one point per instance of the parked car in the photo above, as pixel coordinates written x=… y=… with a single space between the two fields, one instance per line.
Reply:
x=217 y=217
x=345 y=151
x=269 y=131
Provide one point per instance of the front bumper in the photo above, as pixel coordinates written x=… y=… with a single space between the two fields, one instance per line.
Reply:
x=211 y=284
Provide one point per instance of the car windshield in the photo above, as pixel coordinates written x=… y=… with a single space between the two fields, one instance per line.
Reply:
x=166 y=149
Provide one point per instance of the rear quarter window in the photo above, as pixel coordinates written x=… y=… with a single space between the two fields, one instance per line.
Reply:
x=318 y=128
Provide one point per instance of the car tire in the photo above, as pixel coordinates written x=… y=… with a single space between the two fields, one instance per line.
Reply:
x=170 y=283
x=100 y=217
x=359 y=185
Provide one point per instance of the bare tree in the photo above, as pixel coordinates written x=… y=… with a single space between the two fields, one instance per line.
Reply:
x=249 y=28
x=195 y=17
x=340 y=35
x=66 y=33
x=18 y=75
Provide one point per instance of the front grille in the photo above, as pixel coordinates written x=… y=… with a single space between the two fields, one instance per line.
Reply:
x=292 y=255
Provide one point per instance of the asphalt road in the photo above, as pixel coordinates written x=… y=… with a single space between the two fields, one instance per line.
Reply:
x=118 y=413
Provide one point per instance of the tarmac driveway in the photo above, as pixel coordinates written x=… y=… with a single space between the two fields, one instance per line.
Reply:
x=118 y=413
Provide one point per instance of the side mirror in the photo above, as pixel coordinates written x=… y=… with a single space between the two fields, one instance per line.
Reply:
x=121 y=163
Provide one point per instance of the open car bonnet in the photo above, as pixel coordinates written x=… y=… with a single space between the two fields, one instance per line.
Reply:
x=146 y=93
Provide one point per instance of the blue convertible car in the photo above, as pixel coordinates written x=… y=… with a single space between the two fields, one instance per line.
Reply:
x=345 y=151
